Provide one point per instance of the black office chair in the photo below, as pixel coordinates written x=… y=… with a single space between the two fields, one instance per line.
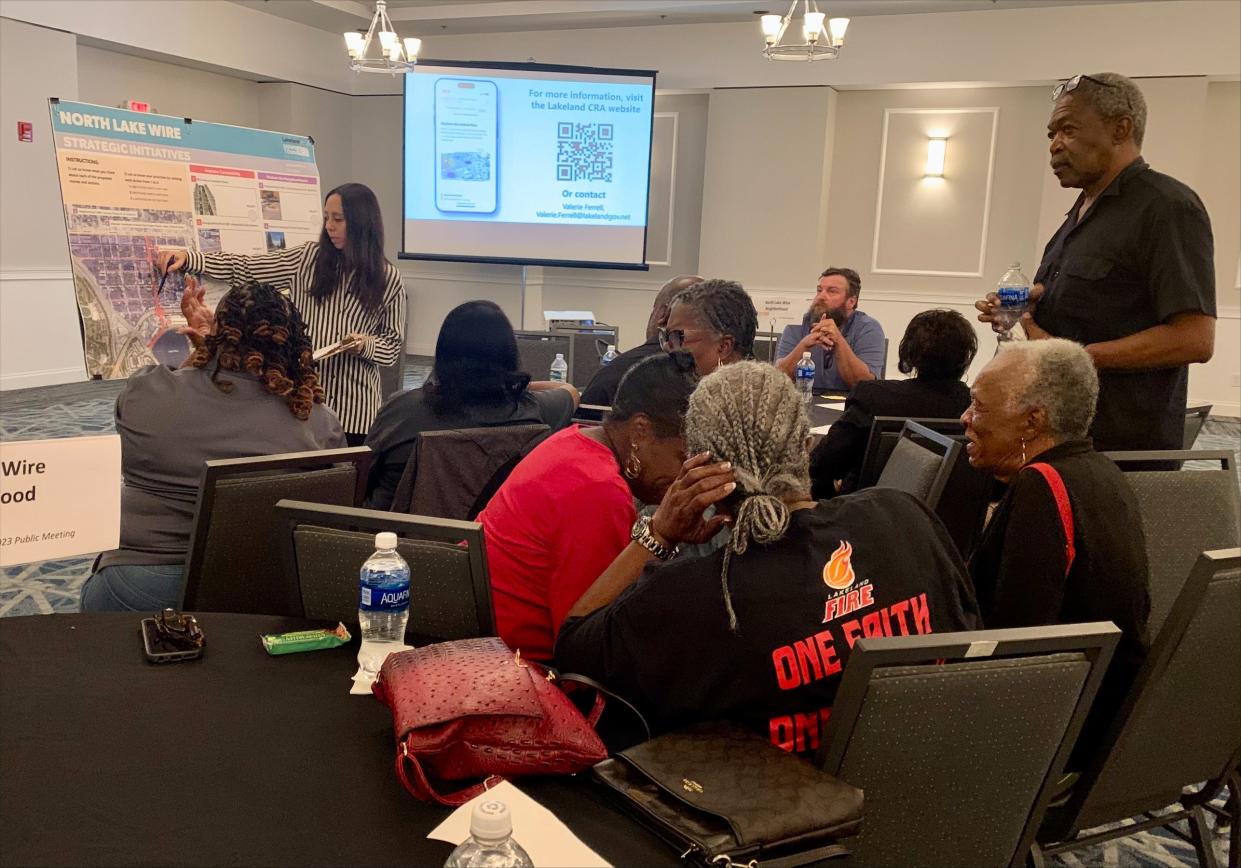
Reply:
x=958 y=739
x=233 y=562
x=1183 y=513
x=884 y=432
x=324 y=547
x=920 y=463
x=537 y=350
x=1195 y=418
x=1176 y=729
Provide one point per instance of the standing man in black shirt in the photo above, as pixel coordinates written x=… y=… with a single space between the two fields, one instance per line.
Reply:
x=1130 y=274
x=602 y=387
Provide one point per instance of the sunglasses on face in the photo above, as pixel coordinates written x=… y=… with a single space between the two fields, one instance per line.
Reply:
x=1074 y=83
x=671 y=340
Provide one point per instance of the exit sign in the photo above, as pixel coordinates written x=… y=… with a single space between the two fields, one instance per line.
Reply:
x=134 y=106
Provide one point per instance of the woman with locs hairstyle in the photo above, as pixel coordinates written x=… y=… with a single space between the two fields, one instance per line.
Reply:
x=794 y=574
x=249 y=388
x=344 y=289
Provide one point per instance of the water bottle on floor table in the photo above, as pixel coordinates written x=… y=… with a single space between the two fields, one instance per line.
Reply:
x=383 y=608
x=805 y=377
x=560 y=369
x=491 y=843
x=1014 y=295
x=609 y=356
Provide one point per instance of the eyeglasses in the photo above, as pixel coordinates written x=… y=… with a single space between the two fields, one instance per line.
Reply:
x=671 y=340
x=179 y=631
x=1074 y=83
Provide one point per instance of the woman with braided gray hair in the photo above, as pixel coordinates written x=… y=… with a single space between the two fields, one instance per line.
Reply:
x=760 y=630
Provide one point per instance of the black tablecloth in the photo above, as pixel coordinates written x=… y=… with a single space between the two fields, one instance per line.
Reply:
x=235 y=759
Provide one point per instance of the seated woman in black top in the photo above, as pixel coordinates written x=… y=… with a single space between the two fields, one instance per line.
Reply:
x=937 y=347
x=1032 y=405
x=474 y=384
x=760 y=630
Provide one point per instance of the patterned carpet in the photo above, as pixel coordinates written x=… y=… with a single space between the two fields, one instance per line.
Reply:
x=54 y=586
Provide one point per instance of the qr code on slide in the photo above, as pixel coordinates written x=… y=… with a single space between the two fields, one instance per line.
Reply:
x=583 y=152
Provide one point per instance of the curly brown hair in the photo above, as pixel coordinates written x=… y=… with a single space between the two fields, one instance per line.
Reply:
x=260 y=332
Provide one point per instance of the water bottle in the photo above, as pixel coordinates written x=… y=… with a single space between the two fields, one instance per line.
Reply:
x=1014 y=295
x=383 y=609
x=609 y=356
x=491 y=843
x=560 y=369
x=805 y=377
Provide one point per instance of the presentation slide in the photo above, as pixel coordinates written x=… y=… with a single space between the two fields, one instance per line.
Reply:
x=527 y=163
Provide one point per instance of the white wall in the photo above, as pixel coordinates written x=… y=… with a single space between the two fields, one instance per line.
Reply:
x=40 y=343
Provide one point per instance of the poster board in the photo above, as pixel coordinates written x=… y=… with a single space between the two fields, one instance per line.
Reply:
x=133 y=182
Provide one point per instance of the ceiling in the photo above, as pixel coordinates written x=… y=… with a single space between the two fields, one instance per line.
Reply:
x=431 y=17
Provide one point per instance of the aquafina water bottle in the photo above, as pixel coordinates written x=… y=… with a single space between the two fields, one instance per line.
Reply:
x=805 y=377
x=491 y=843
x=560 y=369
x=383 y=607
x=1013 y=292
x=610 y=356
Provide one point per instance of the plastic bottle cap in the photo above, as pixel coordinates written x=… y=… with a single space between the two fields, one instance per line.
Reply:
x=806 y=354
x=385 y=540
x=491 y=820
x=611 y=348
x=560 y=357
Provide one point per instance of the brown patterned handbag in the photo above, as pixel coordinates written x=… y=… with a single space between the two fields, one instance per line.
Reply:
x=724 y=795
x=473 y=709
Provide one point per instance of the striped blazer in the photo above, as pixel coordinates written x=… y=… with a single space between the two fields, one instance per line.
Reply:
x=351 y=382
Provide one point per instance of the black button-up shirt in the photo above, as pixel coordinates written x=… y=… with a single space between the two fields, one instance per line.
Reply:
x=1142 y=253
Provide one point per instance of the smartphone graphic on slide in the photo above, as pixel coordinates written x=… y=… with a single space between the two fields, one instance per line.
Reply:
x=465 y=145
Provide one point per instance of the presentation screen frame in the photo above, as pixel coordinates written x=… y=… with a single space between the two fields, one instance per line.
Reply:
x=530 y=67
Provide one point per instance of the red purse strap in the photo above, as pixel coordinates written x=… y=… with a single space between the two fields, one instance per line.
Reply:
x=1061 y=495
x=420 y=786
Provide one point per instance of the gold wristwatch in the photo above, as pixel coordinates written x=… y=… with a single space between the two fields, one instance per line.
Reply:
x=641 y=534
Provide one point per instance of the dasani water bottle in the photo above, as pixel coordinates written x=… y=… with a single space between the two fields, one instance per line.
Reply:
x=1014 y=295
x=805 y=377
x=383 y=607
x=491 y=843
x=609 y=357
x=560 y=369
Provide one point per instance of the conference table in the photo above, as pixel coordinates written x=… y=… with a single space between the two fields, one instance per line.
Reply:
x=238 y=758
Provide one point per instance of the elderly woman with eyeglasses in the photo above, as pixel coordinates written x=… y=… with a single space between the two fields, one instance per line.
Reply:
x=715 y=321
x=1065 y=545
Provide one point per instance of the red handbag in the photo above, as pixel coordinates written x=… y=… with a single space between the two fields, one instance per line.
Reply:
x=473 y=709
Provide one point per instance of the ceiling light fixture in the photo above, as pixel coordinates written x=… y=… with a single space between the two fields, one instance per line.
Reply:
x=820 y=43
x=394 y=55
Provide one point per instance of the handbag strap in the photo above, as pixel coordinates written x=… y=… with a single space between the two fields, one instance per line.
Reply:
x=596 y=711
x=421 y=787
x=1061 y=495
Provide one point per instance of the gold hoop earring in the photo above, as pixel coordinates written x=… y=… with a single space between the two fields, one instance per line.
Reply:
x=1023 y=452
x=633 y=466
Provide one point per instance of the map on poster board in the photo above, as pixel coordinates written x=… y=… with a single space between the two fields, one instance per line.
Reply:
x=133 y=182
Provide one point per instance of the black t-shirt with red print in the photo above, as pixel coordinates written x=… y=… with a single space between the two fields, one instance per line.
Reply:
x=875 y=563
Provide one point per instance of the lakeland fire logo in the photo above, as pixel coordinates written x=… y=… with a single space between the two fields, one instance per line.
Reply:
x=838 y=575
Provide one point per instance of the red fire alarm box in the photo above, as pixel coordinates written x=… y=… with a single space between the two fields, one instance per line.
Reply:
x=25 y=131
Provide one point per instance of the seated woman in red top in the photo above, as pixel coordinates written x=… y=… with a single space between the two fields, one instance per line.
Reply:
x=567 y=509
x=761 y=630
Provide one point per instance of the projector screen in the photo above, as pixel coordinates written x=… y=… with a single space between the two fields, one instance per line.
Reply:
x=527 y=163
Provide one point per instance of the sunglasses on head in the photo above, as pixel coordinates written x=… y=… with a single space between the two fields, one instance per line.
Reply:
x=1074 y=83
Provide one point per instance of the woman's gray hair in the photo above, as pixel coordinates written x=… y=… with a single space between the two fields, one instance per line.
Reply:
x=1059 y=377
x=1123 y=97
x=752 y=416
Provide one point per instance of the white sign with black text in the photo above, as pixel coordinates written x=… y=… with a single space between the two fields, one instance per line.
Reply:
x=59 y=498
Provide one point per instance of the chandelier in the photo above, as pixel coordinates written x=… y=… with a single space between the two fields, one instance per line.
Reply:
x=818 y=44
x=390 y=58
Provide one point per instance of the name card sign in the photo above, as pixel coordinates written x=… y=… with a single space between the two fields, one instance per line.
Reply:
x=59 y=498
x=780 y=309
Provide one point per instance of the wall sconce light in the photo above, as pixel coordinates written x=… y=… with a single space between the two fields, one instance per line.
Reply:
x=935 y=151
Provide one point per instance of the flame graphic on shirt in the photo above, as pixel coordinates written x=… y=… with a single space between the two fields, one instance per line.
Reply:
x=838 y=571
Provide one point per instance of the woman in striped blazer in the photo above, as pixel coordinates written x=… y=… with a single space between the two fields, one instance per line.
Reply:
x=343 y=287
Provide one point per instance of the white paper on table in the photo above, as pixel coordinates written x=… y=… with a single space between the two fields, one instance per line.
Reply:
x=832 y=405
x=362 y=682
x=822 y=429
x=548 y=841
